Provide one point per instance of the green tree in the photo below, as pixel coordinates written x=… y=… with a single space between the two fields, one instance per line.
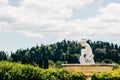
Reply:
x=3 y=55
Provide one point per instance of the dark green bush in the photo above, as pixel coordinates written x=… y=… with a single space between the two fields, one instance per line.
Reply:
x=15 y=71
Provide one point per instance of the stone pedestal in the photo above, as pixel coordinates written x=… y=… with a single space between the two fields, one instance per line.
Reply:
x=88 y=70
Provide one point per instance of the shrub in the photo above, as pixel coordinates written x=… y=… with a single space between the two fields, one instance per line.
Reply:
x=15 y=71
x=111 y=75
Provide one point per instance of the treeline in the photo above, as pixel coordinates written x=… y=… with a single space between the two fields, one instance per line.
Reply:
x=64 y=52
x=60 y=52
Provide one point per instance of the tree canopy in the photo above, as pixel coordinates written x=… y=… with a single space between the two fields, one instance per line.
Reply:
x=63 y=52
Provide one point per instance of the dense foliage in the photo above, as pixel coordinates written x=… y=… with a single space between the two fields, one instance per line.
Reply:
x=111 y=75
x=3 y=55
x=15 y=71
x=61 y=52
x=64 y=52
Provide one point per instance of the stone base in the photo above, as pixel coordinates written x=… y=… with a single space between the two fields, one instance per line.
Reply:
x=88 y=70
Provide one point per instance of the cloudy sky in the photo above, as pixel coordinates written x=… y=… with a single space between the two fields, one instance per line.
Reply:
x=25 y=23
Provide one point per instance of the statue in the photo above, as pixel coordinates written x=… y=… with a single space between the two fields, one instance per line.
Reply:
x=86 y=53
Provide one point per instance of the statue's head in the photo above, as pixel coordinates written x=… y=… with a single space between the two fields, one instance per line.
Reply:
x=83 y=42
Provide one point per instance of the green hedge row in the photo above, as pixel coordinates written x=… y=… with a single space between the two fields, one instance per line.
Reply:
x=111 y=75
x=15 y=71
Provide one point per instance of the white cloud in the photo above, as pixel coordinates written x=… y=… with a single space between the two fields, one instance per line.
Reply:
x=33 y=18
x=3 y=3
x=39 y=15
x=100 y=1
x=106 y=22
x=31 y=34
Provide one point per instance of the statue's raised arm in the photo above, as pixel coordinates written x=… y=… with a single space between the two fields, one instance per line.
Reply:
x=86 y=53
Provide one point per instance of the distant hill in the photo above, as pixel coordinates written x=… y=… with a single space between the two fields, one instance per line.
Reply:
x=64 y=52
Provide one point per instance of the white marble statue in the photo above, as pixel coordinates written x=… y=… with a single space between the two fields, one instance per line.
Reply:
x=86 y=53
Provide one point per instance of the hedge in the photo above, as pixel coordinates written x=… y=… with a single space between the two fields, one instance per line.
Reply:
x=111 y=75
x=15 y=71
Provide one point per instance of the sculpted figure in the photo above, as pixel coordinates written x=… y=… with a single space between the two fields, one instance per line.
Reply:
x=86 y=53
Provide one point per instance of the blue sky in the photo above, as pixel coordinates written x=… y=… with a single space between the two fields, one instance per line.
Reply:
x=25 y=23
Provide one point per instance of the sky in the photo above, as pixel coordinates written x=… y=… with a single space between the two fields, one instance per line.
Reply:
x=26 y=23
